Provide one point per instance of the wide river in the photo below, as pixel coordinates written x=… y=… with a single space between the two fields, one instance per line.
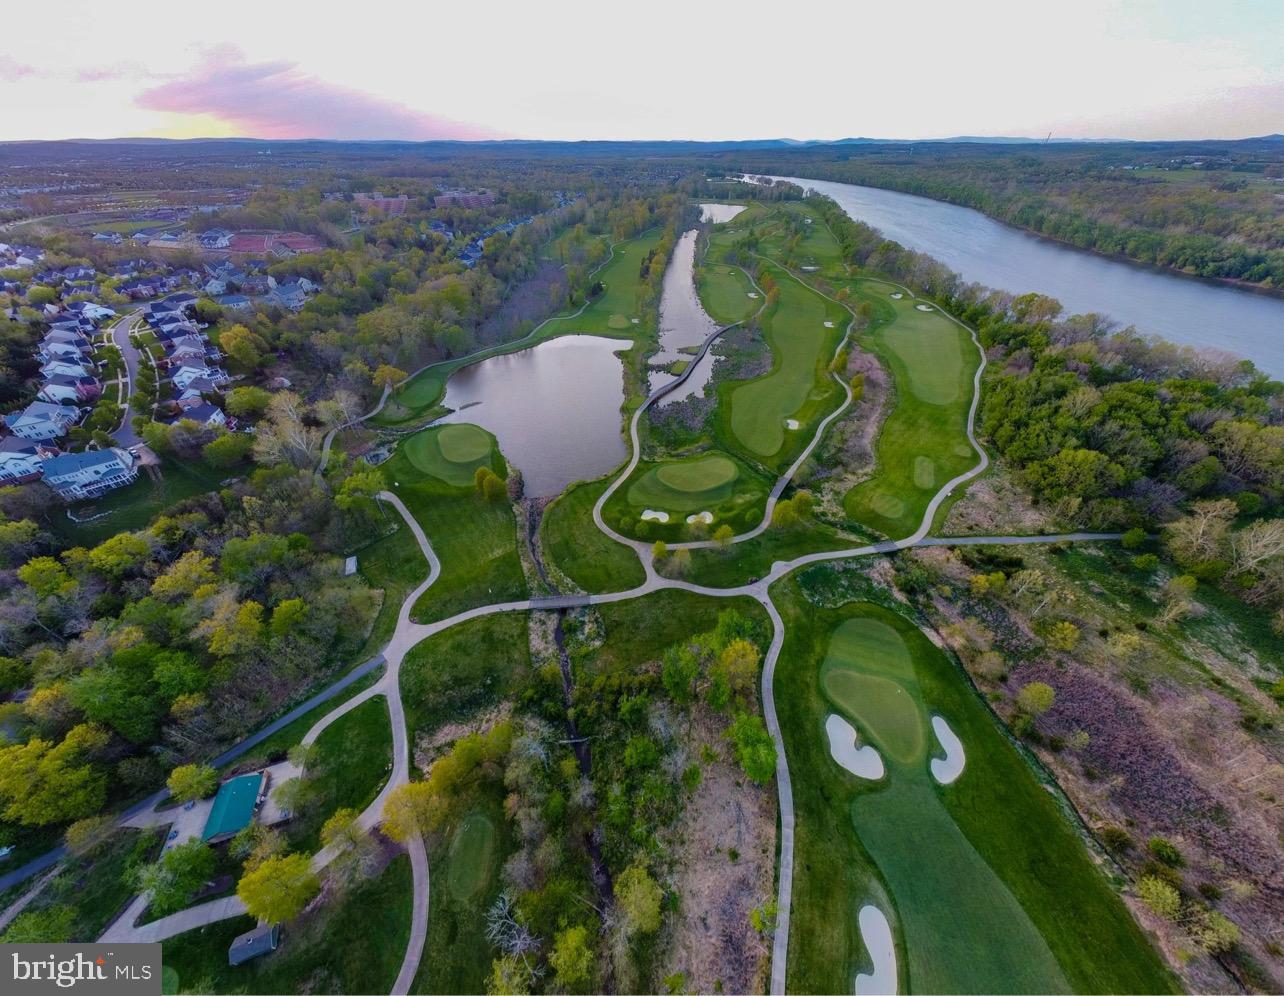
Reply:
x=1181 y=309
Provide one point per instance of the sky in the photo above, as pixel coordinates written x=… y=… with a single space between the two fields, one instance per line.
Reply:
x=569 y=69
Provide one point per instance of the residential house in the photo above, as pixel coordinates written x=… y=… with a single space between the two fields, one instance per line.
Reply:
x=42 y=420
x=66 y=368
x=201 y=412
x=90 y=310
x=214 y=286
x=191 y=370
x=215 y=238
x=65 y=351
x=110 y=238
x=290 y=295
x=234 y=302
x=62 y=389
x=21 y=459
x=197 y=389
x=76 y=476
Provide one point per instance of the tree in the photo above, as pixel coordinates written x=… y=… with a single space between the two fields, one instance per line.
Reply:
x=723 y=536
x=41 y=783
x=182 y=870
x=679 y=671
x=388 y=376
x=247 y=402
x=489 y=484
x=638 y=896
x=279 y=888
x=754 y=747
x=228 y=450
x=51 y=925
x=1036 y=698
x=572 y=958
x=189 y=782
x=242 y=345
x=354 y=851
x=659 y=550
x=1063 y=635
x=406 y=811
x=86 y=836
x=190 y=571
x=509 y=976
x=737 y=665
x=1213 y=931
x=1160 y=896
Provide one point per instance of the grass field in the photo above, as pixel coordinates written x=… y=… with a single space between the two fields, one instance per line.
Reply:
x=798 y=386
x=460 y=671
x=987 y=884
x=475 y=539
x=465 y=857
x=452 y=453
x=352 y=944
x=621 y=277
x=353 y=758
x=724 y=292
x=923 y=441
x=581 y=551
x=731 y=491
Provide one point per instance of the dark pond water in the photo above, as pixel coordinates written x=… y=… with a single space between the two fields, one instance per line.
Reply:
x=718 y=213
x=683 y=322
x=555 y=408
x=1181 y=309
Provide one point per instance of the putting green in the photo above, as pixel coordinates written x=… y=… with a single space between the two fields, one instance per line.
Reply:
x=463 y=443
x=698 y=475
x=882 y=707
x=471 y=860
x=887 y=505
x=924 y=471
x=870 y=645
x=452 y=453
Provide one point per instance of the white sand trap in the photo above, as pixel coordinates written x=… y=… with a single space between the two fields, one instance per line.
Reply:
x=946 y=769
x=829 y=325
x=897 y=295
x=636 y=321
x=791 y=423
x=705 y=517
x=876 y=932
x=863 y=762
x=810 y=269
x=651 y=515
x=924 y=307
x=753 y=295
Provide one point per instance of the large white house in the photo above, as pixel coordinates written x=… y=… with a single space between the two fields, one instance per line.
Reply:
x=21 y=459
x=76 y=476
x=42 y=420
x=66 y=367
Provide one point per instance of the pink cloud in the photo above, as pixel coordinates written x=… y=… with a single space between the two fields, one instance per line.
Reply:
x=114 y=71
x=277 y=100
x=11 y=69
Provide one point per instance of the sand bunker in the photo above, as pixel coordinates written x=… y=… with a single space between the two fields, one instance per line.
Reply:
x=636 y=321
x=897 y=295
x=791 y=423
x=829 y=325
x=651 y=515
x=863 y=762
x=705 y=517
x=876 y=932
x=924 y=307
x=809 y=269
x=753 y=295
x=946 y=769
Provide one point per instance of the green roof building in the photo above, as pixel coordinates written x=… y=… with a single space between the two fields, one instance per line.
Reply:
x=233 y=807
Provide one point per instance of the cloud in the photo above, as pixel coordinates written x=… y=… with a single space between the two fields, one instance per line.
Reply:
x=277 y=100
x=114 y=71
x=11 y=69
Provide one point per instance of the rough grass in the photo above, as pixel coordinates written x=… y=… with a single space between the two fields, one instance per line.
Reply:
x=576 y=547
x=987 y=883
x=352 y=944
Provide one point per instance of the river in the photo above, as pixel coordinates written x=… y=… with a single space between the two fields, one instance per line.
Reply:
x=684 y=324
x=1181 y=309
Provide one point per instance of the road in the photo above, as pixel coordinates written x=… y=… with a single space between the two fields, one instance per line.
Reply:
x=120 y=333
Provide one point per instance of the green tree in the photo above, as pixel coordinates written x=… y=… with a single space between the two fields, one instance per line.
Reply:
x=737 y=665
x=192 y=781
x=1063 y=635
x=181 y=871
x=228 y=450
x=50 y=925
x=638 y=896
x=386 y=375
x=288 y=617
x=1162 y=897
x=243 y=346
x=723 y=536
x=1036 y=698
x=247 y=402
x=41 y=783
x=509 y=976
x=754 y=748
x=279 y=888
x=678 y=672
x=572 y=958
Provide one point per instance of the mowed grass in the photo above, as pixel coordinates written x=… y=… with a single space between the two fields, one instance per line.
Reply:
x=575 y=546
x=621 y=276
x=797 y=387
x=732 y=492
x=923 y=441
x=987 y=884
x=724 y=292
x=453 y=453
x=353 y=944
x=475 y=539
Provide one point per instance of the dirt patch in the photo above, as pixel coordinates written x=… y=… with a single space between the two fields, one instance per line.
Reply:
x=430 y=746
x=995 y=505
x=724 y=860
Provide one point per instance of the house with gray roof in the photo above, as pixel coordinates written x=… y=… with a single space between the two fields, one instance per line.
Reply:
x=76 y=476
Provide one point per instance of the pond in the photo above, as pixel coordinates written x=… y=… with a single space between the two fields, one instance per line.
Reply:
x=718 y=213
x=1179 y=308
x=684 y=324
x=555 y=408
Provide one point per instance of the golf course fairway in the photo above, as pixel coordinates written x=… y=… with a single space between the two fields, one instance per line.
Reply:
x=985 y=881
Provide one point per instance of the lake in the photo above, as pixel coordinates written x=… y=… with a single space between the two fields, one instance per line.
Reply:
x=1181 y=309
x=555 y=408
x=683 y=323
